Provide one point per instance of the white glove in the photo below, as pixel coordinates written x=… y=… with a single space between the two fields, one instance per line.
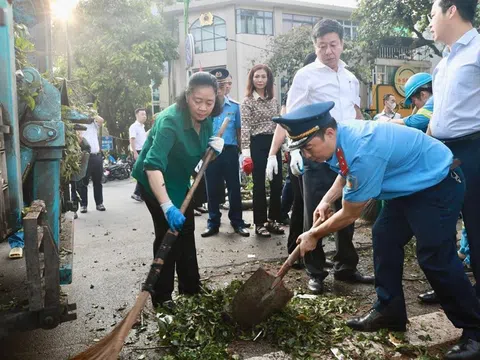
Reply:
x=296 y=162
x=272 y=167
x=216 y=143
x=246 y=152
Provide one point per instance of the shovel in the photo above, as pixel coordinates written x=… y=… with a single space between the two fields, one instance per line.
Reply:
x=110 y=346
x=263 y=293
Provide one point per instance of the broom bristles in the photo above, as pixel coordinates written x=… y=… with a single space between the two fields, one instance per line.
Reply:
x=109 y=347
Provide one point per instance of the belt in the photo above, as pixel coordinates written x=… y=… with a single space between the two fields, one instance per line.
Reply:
x=468 y=137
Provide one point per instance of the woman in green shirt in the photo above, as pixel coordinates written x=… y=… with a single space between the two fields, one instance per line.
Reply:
x=174 y=146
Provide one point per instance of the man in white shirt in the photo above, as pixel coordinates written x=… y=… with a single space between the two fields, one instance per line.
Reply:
x=94 y=169
x=137 y=136
x=327 y=79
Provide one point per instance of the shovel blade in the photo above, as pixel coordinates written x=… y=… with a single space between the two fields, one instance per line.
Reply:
x=256 y=300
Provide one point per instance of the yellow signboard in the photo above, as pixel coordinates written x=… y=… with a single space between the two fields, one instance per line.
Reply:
x=401 y=77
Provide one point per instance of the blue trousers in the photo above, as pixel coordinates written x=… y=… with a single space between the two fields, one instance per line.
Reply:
x=468 y=151
x=431 y=216
x=287 y=197
x=224 y=167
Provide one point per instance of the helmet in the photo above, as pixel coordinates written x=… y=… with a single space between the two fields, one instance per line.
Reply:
x=247 y=165
x=414 y=83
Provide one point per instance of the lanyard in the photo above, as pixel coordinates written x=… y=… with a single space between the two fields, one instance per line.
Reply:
x=342 y=162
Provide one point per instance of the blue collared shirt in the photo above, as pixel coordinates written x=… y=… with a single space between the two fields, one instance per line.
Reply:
x=387 y=161
x=456 y=87
x=231 y=109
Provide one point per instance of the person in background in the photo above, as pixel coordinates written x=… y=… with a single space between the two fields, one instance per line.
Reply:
x=295 y=171
x=327 y=79
x=389 y=106
x=418 y=91
x=177 y=142
x=94 y=169
x=137 y=139
x=223 y=167
x=258 y=108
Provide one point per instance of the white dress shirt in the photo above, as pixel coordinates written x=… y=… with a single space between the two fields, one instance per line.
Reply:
x=317 y=82
x=137 y=132
x=91 y=135
x=456 y=89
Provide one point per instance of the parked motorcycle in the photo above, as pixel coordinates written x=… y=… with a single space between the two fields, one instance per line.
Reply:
x=118 y=171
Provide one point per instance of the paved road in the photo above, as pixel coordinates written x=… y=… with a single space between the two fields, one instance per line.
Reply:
x=112 y=252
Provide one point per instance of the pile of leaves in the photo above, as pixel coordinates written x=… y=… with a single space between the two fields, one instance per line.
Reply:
x=200 y=327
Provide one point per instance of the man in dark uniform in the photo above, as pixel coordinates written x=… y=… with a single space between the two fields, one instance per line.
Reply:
x=225 y=166
x=418 y=176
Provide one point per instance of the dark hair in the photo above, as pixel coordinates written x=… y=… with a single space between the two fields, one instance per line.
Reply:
x=268 y=87
x=310 y=58
x=321 y=132
x=200 y=79
x=140 y=109
x=386 y=97
x=426 y=87
x=327 y=26
x=466 y=8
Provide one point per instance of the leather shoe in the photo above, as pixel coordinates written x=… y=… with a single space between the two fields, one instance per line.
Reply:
x=374 y=321
x=430 y=297
x=241 y=231
x=466 y=349
x=353 y=277
x=315 y=286
x=210 y=232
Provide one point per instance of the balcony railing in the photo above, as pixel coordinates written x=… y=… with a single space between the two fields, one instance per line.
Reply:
x=403 y=53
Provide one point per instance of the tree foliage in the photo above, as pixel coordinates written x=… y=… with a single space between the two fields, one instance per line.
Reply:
x=119 y=48
x=382 y=19
x=286 y=52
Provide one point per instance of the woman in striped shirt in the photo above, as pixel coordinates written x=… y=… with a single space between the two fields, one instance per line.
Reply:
x=258 y=108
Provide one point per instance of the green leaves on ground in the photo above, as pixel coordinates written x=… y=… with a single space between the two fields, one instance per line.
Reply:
x=201 y=328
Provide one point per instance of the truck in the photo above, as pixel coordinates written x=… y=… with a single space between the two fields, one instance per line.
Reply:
x=32 y=197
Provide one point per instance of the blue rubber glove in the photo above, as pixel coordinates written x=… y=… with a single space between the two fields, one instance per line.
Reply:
x=174 y=216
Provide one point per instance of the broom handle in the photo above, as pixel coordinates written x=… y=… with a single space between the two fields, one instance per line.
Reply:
x=170 y=236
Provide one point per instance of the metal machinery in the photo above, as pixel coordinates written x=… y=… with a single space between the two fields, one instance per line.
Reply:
x=31 y=145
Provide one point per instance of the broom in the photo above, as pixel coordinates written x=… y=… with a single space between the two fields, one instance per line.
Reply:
x=110 y=346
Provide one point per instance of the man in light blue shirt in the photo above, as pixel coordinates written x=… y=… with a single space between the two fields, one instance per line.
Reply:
x=456 y=115
x=225 y=166
x=417 y=174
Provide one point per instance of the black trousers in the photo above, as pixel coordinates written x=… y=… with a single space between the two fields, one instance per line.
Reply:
x=296 y=220
x=137 y=186
x=94 y=171
x=200 y=195
x=317 y=180
x=182 y=256
x=259 y=149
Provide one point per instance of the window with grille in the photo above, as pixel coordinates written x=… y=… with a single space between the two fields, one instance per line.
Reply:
x=291 y=20
x=211 y=37
x=254 y=22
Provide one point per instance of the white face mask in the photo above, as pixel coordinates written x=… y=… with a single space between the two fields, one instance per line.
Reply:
x=392 y=106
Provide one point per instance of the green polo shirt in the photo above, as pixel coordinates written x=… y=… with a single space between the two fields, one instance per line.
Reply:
x=173 y=147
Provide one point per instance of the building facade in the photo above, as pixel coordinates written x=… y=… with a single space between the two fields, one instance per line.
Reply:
x=235 y=33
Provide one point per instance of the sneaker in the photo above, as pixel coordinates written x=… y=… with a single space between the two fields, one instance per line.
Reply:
x=83 y=209
x=101 y=207
x=136 y=198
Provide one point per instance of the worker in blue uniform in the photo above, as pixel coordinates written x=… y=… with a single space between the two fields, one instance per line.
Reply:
x=225 y=166
x=418 y=176
x=418 y=91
